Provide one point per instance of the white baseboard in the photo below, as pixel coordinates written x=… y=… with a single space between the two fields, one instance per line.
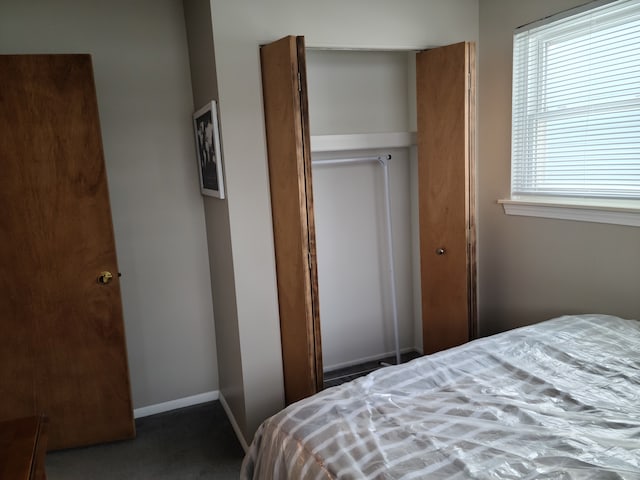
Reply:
x=175 y=404
x=357 y=361
x=234 y=424
x=190 y=401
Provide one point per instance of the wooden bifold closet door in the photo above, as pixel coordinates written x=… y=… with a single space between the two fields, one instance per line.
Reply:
x=62 y=347
x=289 y=155
x=445 y=86
x=445 y=107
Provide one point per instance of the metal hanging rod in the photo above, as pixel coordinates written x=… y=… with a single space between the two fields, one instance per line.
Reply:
x=391 y=263
x=337 y=161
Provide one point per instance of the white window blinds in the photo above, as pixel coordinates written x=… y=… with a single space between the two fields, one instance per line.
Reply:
x=576 y=103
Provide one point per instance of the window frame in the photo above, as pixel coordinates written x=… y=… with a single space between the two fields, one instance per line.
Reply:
x=580 y=207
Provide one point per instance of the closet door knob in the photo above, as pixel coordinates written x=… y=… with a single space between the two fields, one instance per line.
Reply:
x=440 y=251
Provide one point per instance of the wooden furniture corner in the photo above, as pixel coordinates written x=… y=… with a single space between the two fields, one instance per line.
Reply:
x=23 y=445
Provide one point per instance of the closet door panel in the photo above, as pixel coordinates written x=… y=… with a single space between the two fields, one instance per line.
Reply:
x=286 y=123
x=446 y=194
x=312 y=257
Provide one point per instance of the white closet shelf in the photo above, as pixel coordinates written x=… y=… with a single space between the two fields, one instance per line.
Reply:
x=361 y=141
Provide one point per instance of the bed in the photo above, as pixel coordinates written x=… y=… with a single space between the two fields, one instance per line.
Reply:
x=555 y=400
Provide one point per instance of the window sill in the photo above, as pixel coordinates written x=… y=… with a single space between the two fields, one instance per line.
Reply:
x=617 y=212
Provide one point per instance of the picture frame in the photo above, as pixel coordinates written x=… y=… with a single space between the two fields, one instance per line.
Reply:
x=208 y=153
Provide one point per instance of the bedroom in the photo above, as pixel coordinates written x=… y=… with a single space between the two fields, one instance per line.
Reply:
x=529 y=269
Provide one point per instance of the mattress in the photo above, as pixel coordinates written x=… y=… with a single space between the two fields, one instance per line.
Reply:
x=555 y=400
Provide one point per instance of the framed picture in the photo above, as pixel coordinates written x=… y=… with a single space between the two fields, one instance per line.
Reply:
x=205 y=125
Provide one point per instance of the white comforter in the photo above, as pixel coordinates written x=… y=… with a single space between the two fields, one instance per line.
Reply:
x=557 y=400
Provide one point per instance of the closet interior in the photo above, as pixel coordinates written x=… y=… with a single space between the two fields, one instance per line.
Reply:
x=362 y=120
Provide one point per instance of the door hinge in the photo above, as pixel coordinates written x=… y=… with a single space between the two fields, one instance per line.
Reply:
x=299 y=82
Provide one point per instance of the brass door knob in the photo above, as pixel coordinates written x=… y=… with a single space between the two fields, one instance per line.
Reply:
x=441 y=251
x=105 y=277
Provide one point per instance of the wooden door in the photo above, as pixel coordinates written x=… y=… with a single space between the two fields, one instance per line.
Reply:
x=62 y=347
x=446 y=106
x=289 y=155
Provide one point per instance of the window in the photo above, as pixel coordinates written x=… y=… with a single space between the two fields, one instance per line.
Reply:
x=576 y=107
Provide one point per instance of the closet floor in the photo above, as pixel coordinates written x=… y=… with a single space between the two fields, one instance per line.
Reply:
x=346 y=374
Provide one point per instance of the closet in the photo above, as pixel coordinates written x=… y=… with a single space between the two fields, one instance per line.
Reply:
x=62 y=347
x=438 y=167
x=362 y=156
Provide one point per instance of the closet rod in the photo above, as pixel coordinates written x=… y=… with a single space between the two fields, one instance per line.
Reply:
x=391 y=263
x=335 y=161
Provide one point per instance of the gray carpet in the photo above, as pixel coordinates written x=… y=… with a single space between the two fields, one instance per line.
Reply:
x=346 y=374
x=191 y=443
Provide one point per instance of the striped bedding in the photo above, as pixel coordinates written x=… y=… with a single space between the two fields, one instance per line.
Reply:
x=556 y=400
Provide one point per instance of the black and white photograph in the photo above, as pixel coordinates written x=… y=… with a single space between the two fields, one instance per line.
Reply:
x=205 y=124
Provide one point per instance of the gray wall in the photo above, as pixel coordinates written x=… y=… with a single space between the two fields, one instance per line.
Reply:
x=530 y=268
x=141 y=69
x=205 y=88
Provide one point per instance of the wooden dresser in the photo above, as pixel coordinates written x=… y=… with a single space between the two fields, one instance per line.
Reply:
x=23 y=444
